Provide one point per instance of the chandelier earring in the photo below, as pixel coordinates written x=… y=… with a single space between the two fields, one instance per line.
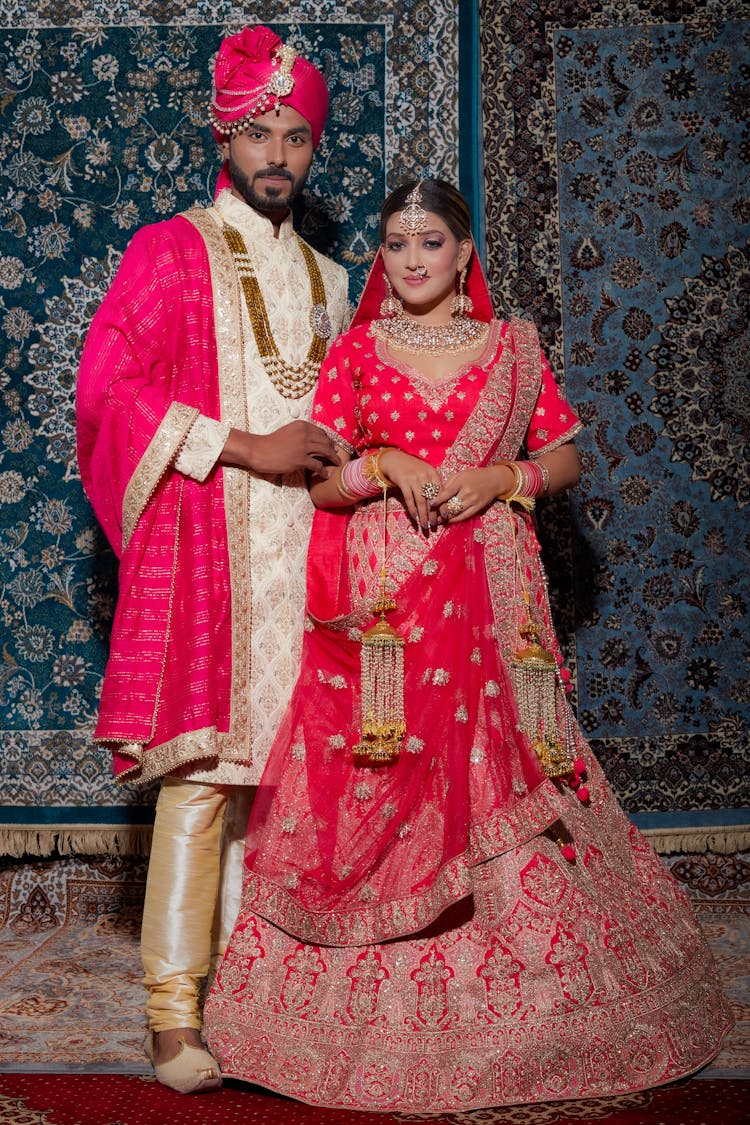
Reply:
x=461 y=304
x=391 y=306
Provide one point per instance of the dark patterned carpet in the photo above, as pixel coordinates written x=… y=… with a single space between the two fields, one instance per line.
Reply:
x=618 y=214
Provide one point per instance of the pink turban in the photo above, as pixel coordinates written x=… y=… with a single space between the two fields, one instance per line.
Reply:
x=255 y=72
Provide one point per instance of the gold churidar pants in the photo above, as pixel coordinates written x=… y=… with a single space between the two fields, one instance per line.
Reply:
x=193 y=892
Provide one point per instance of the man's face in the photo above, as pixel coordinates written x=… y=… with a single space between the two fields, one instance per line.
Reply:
x=269 y=162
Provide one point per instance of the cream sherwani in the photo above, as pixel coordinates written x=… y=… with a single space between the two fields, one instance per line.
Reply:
x=280 y=517
x=268 y=547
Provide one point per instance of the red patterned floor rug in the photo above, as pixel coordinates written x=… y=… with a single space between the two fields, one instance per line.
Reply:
x=118 y=1099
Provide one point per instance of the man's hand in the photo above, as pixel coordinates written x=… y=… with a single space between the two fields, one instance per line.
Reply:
x=298 y=445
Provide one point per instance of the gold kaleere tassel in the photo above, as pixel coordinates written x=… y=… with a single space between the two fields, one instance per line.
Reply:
x=382 y=670
x=534 y=675
x=382 y=676
x=533 y=671
x=543 y=714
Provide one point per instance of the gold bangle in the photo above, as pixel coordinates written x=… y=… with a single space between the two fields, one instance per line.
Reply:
x=521 y=486
x=519 y=480
x=371 y=468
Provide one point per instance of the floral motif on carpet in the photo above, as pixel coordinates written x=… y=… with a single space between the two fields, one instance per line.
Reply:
x=105 y=129
x=70 y=964
x=54 y=1099
x=616 y=154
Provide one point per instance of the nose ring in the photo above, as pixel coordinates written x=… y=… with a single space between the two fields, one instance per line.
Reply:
x=421 y=271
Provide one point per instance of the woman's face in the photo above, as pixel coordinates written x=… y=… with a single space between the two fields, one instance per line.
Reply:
x=422 y=267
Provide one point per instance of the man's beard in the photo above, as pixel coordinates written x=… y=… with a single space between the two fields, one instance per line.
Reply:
x=274 y=198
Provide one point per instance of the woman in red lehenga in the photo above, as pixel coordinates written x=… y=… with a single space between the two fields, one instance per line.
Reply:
x=444 y=907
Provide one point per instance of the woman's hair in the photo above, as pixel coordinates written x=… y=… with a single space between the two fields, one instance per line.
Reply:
x=438 y=196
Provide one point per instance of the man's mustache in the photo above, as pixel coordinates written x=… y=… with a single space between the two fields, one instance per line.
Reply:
x=275 y=173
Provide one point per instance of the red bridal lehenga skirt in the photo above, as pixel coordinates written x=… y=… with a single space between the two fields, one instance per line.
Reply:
x=553 y=980
x=527 y=977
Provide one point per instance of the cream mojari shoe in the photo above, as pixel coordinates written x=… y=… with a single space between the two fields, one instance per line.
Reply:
x=192 y=1071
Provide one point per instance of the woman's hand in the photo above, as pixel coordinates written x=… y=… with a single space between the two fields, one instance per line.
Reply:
x=411 y=475
x=469 y=492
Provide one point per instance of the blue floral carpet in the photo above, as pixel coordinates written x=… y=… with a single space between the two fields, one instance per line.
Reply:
x=618 y=215
x=103 y=110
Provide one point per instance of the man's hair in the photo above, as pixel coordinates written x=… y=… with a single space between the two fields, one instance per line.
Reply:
x=437 y=196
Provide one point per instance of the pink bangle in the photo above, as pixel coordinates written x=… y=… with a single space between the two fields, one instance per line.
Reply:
x=531 y=480
x=534 y=479
x=355 y=481
x=540 y=478
x=343 y=490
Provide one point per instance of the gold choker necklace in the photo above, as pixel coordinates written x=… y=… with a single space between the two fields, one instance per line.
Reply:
x=406 y=334
x=292 y=380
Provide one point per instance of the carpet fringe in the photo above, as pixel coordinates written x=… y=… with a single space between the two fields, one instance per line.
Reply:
x=721 y=840
x=135 y=840
x=77 y=839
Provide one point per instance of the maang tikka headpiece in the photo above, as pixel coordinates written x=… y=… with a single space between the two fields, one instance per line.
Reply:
x=413 y=218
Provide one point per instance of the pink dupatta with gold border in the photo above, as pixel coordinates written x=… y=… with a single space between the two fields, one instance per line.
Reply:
x=149 y=367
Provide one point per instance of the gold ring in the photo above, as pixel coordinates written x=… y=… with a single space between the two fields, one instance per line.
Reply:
x=430 y=489
x=454 y=506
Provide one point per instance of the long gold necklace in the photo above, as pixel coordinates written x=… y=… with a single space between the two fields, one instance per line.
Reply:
x=292 y=380
x=407 y=334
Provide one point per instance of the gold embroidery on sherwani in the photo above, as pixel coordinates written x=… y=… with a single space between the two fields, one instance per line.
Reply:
x=169 y=756
x=161 y=452
x=237 y=743
x=268 y=519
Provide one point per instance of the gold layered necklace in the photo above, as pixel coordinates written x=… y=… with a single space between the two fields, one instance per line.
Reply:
x=292 y=380
x=407 y=334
